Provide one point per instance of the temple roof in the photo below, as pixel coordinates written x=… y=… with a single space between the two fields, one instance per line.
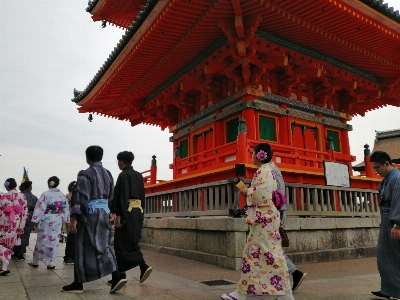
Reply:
x=169 y=36
x=120 y=13
x=384 y=9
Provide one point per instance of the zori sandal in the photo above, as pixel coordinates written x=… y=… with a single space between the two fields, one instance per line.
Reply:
x=33 y=265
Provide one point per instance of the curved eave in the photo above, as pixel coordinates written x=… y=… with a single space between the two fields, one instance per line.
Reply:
x=92 y=5
x=126 y=38
x=384 y=9
x=120 y=13
x=272 y=24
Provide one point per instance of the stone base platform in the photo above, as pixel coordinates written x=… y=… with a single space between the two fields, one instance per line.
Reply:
x=220 y=240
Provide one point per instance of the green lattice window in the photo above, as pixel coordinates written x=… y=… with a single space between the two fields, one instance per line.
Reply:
x=266 y=128
x=232 y=130
x=184 y=148
x=335 y=139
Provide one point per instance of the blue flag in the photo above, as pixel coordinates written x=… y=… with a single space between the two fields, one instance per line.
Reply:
x=25 y=177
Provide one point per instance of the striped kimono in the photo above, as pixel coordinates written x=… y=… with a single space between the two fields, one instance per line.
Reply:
x=94 y=258
x=388 y=256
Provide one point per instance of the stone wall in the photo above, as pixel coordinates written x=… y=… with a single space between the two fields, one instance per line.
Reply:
x=220 y=240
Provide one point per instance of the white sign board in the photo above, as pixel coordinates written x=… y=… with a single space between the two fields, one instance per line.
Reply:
x=336 y=174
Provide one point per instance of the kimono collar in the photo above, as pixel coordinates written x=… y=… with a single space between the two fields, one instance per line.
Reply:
x=97 y=163
x=391 y=173
x=127 y=168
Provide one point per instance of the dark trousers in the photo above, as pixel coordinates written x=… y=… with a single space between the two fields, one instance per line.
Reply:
x=20 y=250
x=70 y=246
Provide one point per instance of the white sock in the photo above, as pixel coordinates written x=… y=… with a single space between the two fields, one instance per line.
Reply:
x=4 y=265
x=237 y=295
x=51 y=264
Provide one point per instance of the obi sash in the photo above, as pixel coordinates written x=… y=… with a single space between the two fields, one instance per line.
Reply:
x=55 y=208
x=98 y=203
x=12 y=210
x=135 y=203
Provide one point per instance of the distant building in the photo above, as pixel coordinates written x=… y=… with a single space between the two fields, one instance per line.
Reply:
x=388 y=141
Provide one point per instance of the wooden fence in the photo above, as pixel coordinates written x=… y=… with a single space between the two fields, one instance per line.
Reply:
x=216 y=198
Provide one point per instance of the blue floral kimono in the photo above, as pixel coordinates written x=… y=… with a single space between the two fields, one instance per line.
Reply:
x=50 y=212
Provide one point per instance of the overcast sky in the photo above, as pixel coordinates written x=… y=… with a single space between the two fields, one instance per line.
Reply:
x=48 y=48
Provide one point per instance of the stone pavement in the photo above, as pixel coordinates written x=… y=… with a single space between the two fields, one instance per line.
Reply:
x=177 y=278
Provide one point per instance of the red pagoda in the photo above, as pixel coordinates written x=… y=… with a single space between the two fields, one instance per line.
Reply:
x=225 y=75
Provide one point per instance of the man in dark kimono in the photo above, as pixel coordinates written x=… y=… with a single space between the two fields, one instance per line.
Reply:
x=388 y=256
x=128 y=207
x=90 y=221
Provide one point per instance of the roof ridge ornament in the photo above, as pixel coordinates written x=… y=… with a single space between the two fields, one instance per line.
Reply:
x=76 y=93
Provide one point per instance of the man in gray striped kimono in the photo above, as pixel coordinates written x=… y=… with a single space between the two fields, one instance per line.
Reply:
x=90 y=221
x=298 y=276
x=388 y=255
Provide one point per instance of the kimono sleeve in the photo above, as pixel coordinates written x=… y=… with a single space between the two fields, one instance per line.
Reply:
x=65 y=212
x=121 y=195
x=395 y=206
x=262 y=186
x=24 y=214
x=40 y=208
x=80 y=195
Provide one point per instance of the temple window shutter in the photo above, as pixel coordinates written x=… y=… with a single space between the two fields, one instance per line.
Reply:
x=267 y=128
x=232 y=130
x=335 y=139
x=184 y=148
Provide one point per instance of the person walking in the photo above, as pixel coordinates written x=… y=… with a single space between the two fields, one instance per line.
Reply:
x=70 y=245
x=128 y=203
x=388 y=254
x=297 y=275
x=13 y=215
x=90 y=222
x=51 y=211
x=264 y=269
x=31 y=200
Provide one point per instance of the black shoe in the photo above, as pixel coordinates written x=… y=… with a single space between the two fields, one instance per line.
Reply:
x=109 y=282
x=21 y=258
x=145 y=274
x=117 y=284
x=14 y=256
x=74 y=287
x=123 y=276
x=379 y=295
x=68 y=261
x=4 y=273
x=298 y=278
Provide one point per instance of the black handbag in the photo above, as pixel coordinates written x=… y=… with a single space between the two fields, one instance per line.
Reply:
x=284 y=237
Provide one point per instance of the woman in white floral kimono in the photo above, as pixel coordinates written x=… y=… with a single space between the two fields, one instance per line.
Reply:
x=50 y=212
x=264 y=269
x=13 y=214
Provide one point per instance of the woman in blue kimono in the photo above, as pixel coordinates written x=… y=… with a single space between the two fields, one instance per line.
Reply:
x=50 y=212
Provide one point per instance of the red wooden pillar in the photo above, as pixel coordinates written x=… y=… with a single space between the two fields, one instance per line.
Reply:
x=242 y=149
x=284 y=133
x=344 y=138
x=153 y=170
x=369 y=170
x=219 y=136
x=249 y=115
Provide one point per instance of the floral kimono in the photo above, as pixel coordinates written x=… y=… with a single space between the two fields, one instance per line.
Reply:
x=13 y=214
x=264 y=269
x=50 y=212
